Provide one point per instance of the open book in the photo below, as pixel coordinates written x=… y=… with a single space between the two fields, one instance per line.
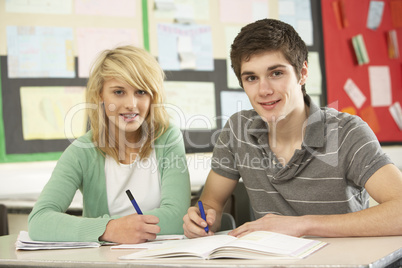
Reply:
x=256 y=245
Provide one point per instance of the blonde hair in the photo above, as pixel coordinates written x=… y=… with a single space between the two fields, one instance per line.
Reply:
x=140 y=70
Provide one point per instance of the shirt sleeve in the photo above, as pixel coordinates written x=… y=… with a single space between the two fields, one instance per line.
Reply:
x=360 y=151
x=48 y=220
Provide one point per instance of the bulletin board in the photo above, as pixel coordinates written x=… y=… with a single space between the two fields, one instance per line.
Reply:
x=208 y=80
x=378 y=80
x=78 y=17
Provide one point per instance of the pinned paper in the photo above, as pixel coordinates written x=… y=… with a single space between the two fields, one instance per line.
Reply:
x=91 y=41
x=374 y=17
x=369 y=116
x=242 y=12
x=393 y=48
x=187 y=113
x=380 y=86
x=233 y=102
x=45 y=111
x=360 y=49
x=314 y=82
x=298 y=14
x=396 y=113
x=186 y=53
x=177 y=40
x=350 y=110
x=39 y=6
x=184 y=14
x=165 y=5
x=40 y=52
x=121 y=8
x=354 y=93
x=339 y=10
x=230 y=34
x=396 y=10
x=181 y=11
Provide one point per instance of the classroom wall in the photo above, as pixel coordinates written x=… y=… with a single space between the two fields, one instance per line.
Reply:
x=29 y=134
x=194 y=55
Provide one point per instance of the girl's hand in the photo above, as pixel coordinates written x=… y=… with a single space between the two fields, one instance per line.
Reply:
x=131 y=229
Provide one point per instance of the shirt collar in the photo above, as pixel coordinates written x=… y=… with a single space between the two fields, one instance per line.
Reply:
x=258 y=127
x=315 y=129
x=314 y=133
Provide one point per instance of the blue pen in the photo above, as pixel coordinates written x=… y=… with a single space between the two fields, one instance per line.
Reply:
x=203 y=214
x=137 y=208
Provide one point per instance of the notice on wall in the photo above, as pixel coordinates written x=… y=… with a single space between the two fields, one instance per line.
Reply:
x=92 y=41
x=380 y=86
x=45 y=109
x=179 y=45
x=191 y=104
x=40 y=52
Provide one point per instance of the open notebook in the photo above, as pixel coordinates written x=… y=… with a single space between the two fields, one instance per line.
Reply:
x=26 y=243
x=256 y=245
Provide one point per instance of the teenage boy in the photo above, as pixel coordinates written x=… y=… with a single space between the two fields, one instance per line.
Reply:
x=307 y=171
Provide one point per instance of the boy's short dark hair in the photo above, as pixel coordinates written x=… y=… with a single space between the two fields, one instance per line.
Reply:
x=268 y=35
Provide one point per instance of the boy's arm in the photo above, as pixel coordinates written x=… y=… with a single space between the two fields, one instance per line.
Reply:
x=384 y=186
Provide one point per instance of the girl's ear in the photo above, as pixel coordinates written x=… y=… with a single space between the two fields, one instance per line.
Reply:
x=303 y=73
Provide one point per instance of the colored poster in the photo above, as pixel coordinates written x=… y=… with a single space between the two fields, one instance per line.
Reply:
x=40 y=52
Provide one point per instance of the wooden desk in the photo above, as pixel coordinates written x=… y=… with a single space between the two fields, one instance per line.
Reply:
x=341 y=252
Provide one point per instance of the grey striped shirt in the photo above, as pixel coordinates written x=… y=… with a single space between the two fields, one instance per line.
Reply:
x=327 y=176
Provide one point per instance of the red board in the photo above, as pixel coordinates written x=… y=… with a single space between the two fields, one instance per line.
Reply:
x=341 y=62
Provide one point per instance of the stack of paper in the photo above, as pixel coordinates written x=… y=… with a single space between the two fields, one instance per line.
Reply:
x=26 y=243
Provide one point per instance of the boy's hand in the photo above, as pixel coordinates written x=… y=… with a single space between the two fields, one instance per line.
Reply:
x=194 y=225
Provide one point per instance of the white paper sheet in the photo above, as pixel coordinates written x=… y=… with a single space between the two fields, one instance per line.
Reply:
x=396 y=112
x=380 y=86
x=233 y=102
x=191 y=104
x=354 y=93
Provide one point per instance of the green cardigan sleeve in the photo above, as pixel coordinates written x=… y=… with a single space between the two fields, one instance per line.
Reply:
x=175 y=182
x=79 y=166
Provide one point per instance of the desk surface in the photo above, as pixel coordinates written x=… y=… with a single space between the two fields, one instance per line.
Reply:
x=340 y=252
